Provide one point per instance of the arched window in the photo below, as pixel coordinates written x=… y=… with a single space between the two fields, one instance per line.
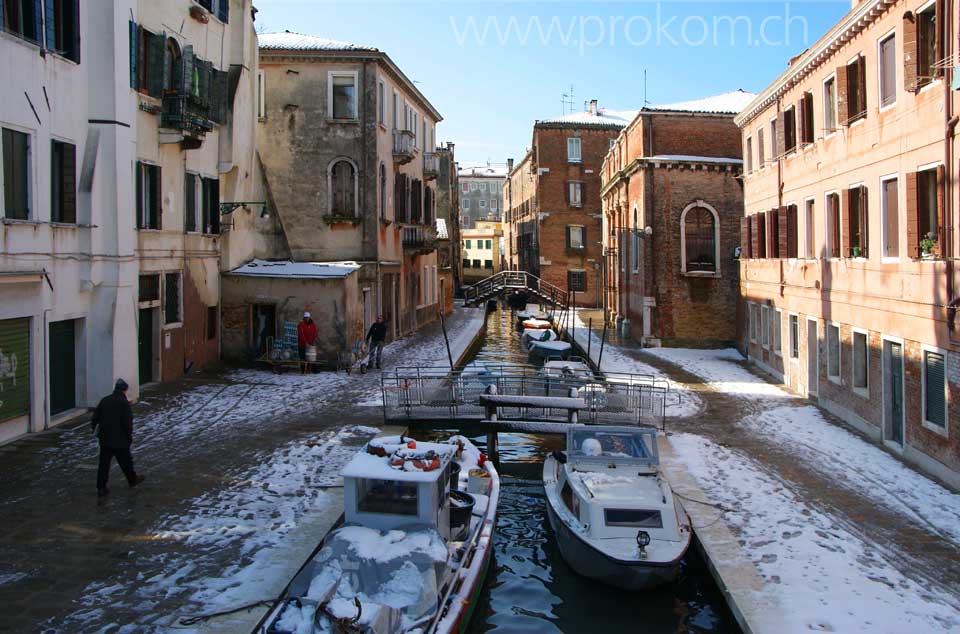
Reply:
x=383 y=191
x=343 y=188
x=171 y=66
x=699 y=230
x=635 y=247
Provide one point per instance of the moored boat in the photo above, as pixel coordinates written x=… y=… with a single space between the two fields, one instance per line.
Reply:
x=413 y=550
x=614 y=516
x=547 y=350
x=531 y=335
x=573 y=369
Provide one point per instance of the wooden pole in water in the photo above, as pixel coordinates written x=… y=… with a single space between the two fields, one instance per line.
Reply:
x=603 y=340
x=493 y=450
x=443 y=327
x=573 y=319
x=589 y=337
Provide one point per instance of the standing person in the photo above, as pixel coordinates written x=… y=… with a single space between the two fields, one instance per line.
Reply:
x=306 y=335
x=375 y=337
x=114 y=417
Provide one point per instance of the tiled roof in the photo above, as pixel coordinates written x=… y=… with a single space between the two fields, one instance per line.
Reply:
x=604 y=116
x=727 y=103
x=290 y=41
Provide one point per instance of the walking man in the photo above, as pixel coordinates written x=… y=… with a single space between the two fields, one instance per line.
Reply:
x=113 y=423
x=306 y=335
x=375 y=337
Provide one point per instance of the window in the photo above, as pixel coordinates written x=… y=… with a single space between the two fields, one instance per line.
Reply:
x=190 y=202
x=699 y=240
x=383 y=192
x=22 y=17
x=342 y=101
x=830 y=105
x=857 y=221
x=172 y=74
x=761 y=158
x=807 y=130
x=571 y=501
x=764 y=326
x=483 y=204
x=149 y=206
x=577 y=280
x=888 y=70
x=343 y=182
x=171 y=298
x=790 y=129
x=890 y=212
x=774 y=153
x=632 y=518
x=381 y=104
x=465 y=187
x=861 y=361
x=211 y=205
x=926 y=207
x=395 y=111
x=934 y=389
x=388 y=497
x=489 y=244
x=794 y=337
x=16 y=174
x=928 y=46
x=63 y=32
x=63 y=182
x=576 y=237
x=856 y=93
x=468 y=243
x=833 y=352
x=466 y=263
x=261 y=95
x=636 y=242
x=833 y=225
x=777 y=333
x=809 y=229
x=473 y=186
x=488 y=264
x=466 y=203
x=575 y=193
x=219 y=8
x=573 y=150
x=749 y=154
x=147 y=53
x=476 y=264
x=773 y=233
x=149 y=288
x=211 y=323
x=494 y=204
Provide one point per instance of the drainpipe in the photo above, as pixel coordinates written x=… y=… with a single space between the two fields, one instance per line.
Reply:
x=950 y=123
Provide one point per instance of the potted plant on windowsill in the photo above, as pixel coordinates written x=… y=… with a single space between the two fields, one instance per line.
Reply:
x=928 y=247
x=856 y=252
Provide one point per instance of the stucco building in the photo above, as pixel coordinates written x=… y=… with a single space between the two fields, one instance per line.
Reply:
x=448 y=225
x=672 y=203
x=481 y=193
x=482 y=254
x=347 y=146
x=554 y=215
x=847 y=274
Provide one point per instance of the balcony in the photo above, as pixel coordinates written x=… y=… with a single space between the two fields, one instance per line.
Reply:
x=431 y=166
x=402 y=146
x=419 y=239
x=184 y=121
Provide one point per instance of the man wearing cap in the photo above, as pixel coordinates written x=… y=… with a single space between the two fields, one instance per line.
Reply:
x=113 y=423
x=306 y=334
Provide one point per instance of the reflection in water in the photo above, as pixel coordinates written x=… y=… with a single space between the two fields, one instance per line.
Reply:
x=529 y=587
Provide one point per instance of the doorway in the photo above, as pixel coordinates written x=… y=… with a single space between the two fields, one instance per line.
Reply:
x=263 y=328
x=813 y=358
x=145 y=346
x=893 y=410
x=63 y=366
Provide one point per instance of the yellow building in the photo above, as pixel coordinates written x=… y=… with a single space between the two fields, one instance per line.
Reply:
x=481 y=250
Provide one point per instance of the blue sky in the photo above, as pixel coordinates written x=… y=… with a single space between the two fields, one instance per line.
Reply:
x=492 y=68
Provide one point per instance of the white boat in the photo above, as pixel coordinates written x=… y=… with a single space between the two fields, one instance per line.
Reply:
x=615 y=517
x=411 y=554
x=574 y=369
x=530 y=335
x=523 y=315
x=533 y=324
x=549 y=349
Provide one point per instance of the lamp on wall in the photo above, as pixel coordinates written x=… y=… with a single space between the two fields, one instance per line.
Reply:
x=229 y=208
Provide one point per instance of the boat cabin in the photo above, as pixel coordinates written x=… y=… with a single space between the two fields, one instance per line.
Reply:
x=394 y=485
x=611 y=486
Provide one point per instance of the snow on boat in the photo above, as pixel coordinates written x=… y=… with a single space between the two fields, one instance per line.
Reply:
x=523 y=315
x=573 y=369
x=549 y=349
x=614 y=516
x=538 y=324
x=529 y=335
x=412 y=552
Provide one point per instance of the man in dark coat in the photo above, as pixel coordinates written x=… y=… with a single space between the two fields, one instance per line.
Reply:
x=113 y=423
x=375 y=337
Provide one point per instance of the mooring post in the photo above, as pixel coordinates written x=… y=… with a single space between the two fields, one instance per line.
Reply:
x=589 y=337
x=603 y=340
x=573 y=319
x=493 y=449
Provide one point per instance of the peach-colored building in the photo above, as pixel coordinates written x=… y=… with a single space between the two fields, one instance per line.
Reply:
x=847 y=275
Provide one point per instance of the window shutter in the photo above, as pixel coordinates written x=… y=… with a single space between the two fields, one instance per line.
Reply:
x=791 y=218
x=189 y=203
x=1 y=13
x=51 y=26
x=187 y=62
x=941 y=174
x=583 y=238
x=76 y=31
x=761 y=229
x=864 y=220
x=934 y=388
x=155 y=49
x=157 y=198
x=566 y=192
x=223 y=10
x=133 y=53
x=69 y=183
x=939 y=13
x=218 y=97
x=781 y=148
x=913 y=215
x=802 y=121
x=845 y=227
x=843 y=108
x=910 y=52
x=862 y=79
x=782 y=237
x=567 y=234
x=138 y=179
x=38 y=21
x=166 y=67
x=214 y=209
x=745 y=237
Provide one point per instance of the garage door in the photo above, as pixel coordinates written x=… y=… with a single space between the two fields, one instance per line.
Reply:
x=14 y=368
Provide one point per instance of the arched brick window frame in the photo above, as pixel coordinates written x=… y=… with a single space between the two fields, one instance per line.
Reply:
x=700 y=238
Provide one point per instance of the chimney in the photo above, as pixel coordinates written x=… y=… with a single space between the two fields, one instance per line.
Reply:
x=593 y=106
x=509 y=165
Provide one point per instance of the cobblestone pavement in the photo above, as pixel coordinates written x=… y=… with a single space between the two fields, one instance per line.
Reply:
x=224 y=456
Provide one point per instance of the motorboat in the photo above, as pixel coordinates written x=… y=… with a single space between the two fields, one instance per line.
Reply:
x=574 y=370
x=413 y=547
x=614 y=515
x=529 y=335
x=547 y=350
x=523 y=315
x=535 y=324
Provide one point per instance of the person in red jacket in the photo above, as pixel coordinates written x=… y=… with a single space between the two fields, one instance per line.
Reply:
x=306 y=335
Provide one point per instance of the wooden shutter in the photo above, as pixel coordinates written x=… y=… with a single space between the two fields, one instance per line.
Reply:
x=843 y=96
x=567 y=234
x=781 y=148
x=913 y=215
x=864 y=218
x=941 y=182
x=783 y=244
x=134 y=43
x=801 y=121
x=745 y=237
x=934 y=388
x=911 y=52
x=69 y=183
x=50 y=23
x=791 y=231
x=218 y=96
x=845 y=241
x=189 y=202
x=138 y=179
x=213 y=209
x=156 y=44
x=15 y=343
x=157 y=197
x=760 y=221
x=940 y=48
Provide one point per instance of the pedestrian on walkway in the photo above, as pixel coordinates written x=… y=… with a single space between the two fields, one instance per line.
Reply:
x=306 y=334
x=114 y=418
x=375 y=337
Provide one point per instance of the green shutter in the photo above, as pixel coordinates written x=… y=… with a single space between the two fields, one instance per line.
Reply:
x=187 y=61
x=14 y=368
x=934 y=391
x=133 y=54
x=51 y=26
x=37 y=22
x=156 y=43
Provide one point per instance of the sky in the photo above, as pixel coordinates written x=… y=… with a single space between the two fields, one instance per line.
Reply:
x=493 y=68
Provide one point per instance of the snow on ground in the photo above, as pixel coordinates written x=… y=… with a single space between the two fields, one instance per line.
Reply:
x=826 y=577
x=681 y=402
x=718 y=368
x=858 y=464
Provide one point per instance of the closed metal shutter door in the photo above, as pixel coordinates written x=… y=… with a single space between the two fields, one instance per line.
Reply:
x=14 y=368
x=935 y=392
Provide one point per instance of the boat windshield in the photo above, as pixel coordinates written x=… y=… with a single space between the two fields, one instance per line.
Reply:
x=619 y=444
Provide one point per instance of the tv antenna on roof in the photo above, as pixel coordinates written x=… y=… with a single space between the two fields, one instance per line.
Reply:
x=567 y=100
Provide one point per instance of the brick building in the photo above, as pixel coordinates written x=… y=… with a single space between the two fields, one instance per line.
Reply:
x=672 y=203
x=552 y=211
x=848 y=278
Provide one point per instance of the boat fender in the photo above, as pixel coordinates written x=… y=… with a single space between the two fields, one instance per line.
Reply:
x=412 y=444
x=559 y=456
x=482 y=460
x=427 y=465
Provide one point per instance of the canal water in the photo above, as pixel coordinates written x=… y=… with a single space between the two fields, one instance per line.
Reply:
x=529 y=587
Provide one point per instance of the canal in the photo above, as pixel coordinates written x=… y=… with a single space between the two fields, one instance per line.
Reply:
x=529 y=587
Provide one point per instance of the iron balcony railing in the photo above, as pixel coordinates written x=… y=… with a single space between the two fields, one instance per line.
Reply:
x=420 y=238
x=402 y=146
x=431 y=165
x=180 y=112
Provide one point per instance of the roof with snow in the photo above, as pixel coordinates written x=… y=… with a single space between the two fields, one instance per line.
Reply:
x=315 y=270
x=290 y=41
x=442 y=233
x=727 y=103
x=483 y=171
x=603 y=117
x=367 y=465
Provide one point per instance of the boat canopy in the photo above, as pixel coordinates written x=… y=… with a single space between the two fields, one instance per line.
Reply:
x=606 y=444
